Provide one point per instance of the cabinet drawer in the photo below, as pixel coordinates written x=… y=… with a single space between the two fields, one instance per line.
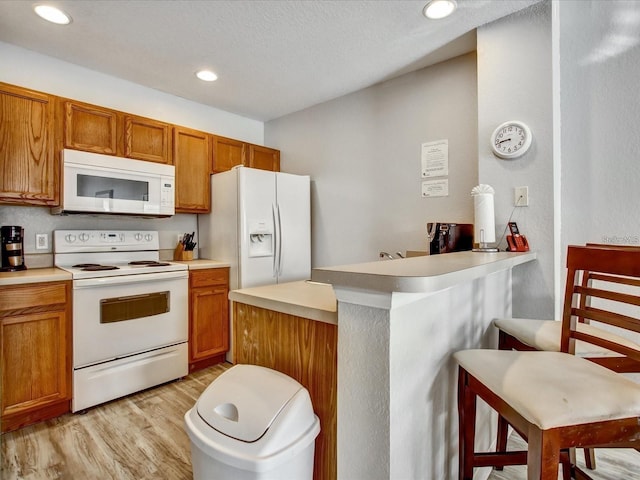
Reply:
x=210 y=276
x=33 y=295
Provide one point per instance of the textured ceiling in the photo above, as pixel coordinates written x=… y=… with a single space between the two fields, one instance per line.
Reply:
x=272 y=57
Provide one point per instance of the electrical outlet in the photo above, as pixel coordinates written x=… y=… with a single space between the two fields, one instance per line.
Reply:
x=42 y=241
x=521 y=196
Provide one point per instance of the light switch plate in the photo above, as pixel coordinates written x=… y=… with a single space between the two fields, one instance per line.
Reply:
x=42 y=241
x=521 y=196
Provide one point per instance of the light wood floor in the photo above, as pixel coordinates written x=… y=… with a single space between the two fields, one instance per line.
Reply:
x=612 y=464
x=138 y=437
x=143 y=437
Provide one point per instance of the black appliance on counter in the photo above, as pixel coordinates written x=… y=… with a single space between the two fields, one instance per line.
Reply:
x=449 y=237
x=11 y=242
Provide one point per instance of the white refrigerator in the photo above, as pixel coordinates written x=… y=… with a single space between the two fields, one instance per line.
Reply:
x=260 y=224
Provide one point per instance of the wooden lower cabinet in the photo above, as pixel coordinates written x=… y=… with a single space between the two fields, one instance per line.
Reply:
x=304 y=349
x=208 y=317
x=35 y=352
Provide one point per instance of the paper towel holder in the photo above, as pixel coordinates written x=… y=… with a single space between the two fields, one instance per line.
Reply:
x=484 y=225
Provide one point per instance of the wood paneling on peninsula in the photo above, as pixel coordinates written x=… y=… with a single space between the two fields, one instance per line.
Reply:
x=304 y=349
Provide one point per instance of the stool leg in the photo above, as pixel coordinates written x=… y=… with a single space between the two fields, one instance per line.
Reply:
x=590 y=458
x=501 y=437
x=543 y=456
x=466 y=426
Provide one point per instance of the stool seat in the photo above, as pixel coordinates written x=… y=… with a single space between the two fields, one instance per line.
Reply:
x=545 y=335
x=553 y=389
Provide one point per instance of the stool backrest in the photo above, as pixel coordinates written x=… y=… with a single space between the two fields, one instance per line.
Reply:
x=609 y=295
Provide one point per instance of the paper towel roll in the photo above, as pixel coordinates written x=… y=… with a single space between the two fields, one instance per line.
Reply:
x=484 y=229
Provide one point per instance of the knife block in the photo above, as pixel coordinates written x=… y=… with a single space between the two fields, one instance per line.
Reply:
x=180 y=254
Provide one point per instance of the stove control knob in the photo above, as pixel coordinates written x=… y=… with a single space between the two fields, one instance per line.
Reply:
x=138 y=236
x=148 y=237
x=84 y=237
x=70 y=237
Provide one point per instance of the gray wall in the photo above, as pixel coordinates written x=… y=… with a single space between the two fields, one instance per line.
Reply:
x=363 y=152
x=600 y=139
x=515 y=83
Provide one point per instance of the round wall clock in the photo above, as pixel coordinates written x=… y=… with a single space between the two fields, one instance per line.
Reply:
x=511 y=139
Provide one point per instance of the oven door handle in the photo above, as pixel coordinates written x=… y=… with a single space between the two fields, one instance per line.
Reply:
x=125 y=279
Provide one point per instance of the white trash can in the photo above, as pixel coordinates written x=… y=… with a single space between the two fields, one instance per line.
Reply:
x=252 y=423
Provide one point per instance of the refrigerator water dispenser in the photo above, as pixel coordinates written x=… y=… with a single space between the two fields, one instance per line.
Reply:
x=260 y=244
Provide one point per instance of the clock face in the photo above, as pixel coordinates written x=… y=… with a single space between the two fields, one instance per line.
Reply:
x=511 y=139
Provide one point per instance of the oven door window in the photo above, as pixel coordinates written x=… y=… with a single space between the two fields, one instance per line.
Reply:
x=108 y=187
x=135 y=306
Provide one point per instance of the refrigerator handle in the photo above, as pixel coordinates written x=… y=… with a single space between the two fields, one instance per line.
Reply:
x=275 y=242
x=276 y=235
x=279 y=241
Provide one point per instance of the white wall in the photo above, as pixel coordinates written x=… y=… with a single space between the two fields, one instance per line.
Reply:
x=600 y=66
x=363 y=154
x=515 y=83
x=49 y=75
x=46 y=74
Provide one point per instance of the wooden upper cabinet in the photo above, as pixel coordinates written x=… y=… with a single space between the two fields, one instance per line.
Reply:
x=227 y=153
x=90 y=128
x=192 y=159
x=146 y=139
x=28 y=170
x=264 y=158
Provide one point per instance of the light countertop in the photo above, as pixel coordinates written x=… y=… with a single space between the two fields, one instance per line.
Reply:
x=34 y=275
x=305 y=299
x=202 y=263
x=419 y=274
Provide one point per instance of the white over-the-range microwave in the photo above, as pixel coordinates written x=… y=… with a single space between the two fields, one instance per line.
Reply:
x=95 y=183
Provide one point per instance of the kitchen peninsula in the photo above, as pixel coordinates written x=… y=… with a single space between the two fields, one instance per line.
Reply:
x=388 y=358
x=399 y=321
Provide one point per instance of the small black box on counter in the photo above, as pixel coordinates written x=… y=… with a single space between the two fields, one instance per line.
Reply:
x=449 y=237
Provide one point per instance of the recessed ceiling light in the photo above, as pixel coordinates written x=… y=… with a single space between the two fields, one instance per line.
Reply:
x=206 y=75
x=52 y=14
x=437 y=9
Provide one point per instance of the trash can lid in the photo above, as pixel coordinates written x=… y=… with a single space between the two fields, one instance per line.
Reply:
x=243 y=402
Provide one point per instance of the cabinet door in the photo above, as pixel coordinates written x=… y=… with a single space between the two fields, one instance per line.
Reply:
x=146 y=139
x=28 y=172
x=90 y=128
x=208 y=317
x=264 y=158
x=228 y=153
x=210 y=330
x=35 y=353
x=192 y=158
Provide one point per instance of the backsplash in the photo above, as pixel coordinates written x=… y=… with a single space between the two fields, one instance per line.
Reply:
x=36 y=220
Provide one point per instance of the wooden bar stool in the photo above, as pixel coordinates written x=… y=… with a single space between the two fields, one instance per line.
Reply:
x=532 y=334
x=557 y=400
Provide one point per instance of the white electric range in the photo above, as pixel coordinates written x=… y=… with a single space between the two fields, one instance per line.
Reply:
x=130 y=313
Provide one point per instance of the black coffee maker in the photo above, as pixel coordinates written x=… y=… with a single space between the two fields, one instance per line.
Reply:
x=11 y=238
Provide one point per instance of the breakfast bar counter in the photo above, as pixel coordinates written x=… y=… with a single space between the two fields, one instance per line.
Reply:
x=399 y=322
x=305 y=299
x=422 y=274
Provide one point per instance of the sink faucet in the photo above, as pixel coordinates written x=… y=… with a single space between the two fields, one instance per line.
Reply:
x=386 y=255
x=400 y=255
